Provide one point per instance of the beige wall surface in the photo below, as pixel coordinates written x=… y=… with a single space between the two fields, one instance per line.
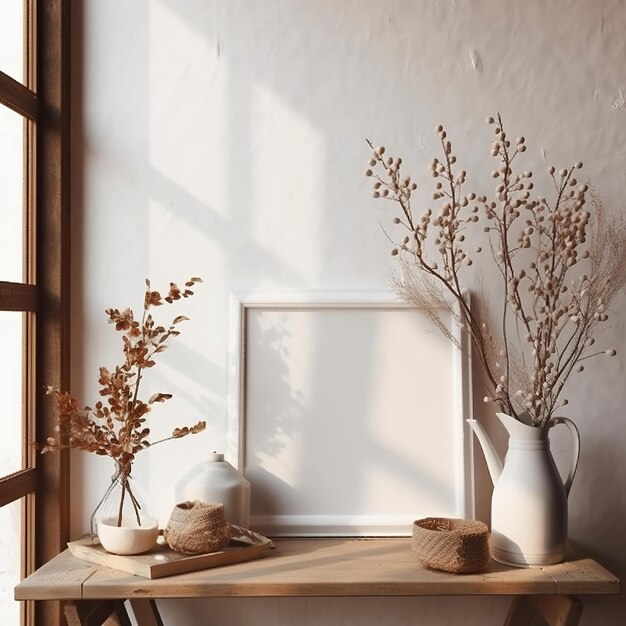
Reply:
x=226 y=139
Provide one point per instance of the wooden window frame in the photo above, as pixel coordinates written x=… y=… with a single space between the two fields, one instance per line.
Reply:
x=44 y=101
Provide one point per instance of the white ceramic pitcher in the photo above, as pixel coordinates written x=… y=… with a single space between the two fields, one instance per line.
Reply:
x=529 y=502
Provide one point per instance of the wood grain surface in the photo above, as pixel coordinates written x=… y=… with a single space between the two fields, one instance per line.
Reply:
x=59 y=579
x=318 y=567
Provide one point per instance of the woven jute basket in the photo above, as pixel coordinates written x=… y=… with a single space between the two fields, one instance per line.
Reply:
x=452 y=545
x=197 y=528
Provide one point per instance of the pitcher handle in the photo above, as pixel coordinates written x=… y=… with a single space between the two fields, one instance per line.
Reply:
x=576 y=443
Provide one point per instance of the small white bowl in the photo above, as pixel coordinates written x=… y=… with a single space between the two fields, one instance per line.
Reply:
x=128 y=539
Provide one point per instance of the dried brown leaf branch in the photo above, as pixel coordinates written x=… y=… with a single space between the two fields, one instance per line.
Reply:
x=116 y=425
x=561 y=262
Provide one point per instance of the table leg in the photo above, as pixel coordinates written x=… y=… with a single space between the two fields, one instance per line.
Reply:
x=555 y=610
x=96 y=613
x=111 y=613
x=146 y=612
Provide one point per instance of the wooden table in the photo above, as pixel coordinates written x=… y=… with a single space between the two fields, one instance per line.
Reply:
x=94 y=594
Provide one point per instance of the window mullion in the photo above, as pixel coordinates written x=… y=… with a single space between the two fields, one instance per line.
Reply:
x=18 y=297
x=29 y=265
x=17 y=485
x=53 y=271
x=18 y=97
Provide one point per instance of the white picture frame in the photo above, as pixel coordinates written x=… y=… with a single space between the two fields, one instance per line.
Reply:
x=268 y=390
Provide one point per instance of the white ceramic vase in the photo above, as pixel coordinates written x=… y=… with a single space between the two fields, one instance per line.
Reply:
x=214 y=480
x=529 y=502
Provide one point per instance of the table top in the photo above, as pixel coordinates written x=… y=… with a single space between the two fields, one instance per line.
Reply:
x=316 y=567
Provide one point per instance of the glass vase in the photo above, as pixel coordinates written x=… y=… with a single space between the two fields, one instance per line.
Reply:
x=122 y=519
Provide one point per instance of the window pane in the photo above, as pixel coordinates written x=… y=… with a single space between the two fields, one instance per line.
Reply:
x=12 y=38
x=10 y=549
x=12 y=189
x=11 y=368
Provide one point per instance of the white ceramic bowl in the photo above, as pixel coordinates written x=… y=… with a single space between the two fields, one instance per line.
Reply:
x=128 y=539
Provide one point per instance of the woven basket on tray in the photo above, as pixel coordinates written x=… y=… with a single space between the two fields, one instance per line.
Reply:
x=453 y=545
x=197 y=528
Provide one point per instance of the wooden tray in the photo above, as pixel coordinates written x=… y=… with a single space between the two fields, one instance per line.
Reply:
x=162 y=560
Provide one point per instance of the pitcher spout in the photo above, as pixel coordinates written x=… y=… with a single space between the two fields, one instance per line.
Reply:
x=518 y=429
x=494 y=464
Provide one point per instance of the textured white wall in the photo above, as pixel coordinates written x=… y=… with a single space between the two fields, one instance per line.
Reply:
x=226 y=139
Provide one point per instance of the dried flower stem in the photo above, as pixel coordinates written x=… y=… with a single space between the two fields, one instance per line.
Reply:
x=118 y=429
x=560 y=265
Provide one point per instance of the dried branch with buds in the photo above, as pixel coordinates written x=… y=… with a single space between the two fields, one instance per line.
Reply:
x=117 y=427
x=561 y=263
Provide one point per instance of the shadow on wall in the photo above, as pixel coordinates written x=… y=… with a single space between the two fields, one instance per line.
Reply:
x=336 y=426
